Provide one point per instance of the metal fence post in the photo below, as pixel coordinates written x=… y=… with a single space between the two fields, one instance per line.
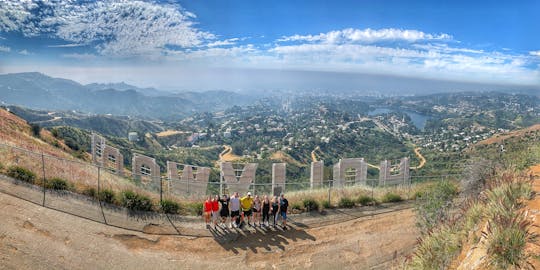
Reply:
x=160 y=190
x=44 y=179
x=329 y=192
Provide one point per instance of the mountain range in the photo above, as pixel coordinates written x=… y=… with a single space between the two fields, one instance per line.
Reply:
x=39 y=91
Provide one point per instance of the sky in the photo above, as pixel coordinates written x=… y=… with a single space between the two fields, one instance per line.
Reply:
x=237 y=45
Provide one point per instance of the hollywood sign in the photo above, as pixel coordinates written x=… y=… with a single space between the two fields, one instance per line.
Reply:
x=190 y=180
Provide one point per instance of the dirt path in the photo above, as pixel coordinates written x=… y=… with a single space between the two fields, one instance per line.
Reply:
x=33 y=237
x=227 y=155
x=422 y=159
x=533 y=207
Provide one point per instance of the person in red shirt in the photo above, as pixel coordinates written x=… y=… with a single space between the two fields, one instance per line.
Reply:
x=207 y=208
x=215 y=210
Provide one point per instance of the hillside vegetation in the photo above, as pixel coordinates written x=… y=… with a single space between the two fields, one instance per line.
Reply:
x=488 y=225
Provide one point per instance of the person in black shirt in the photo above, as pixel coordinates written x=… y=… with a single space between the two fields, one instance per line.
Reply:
x=283 y=205
x=265 y=211
x=224 y=212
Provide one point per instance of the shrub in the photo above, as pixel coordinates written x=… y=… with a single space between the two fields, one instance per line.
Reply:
x=310 y=204
x=433 y=203
x=195 y=208
x=296 y=206
x=1 y=167
x=106 y=195
x=22 y=174
x=366 y=200
x=506 y=243
x=90 y=192
x=436 y=249
x=36 y=129
x=57 y=184
x=136 y=202
x=391 y=197
x=169 y=206
x=326 y=204
x=346 y=203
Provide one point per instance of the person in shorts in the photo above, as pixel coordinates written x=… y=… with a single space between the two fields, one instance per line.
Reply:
x=215 y=210
x=257 y=209
x=207 y=211
x=246 y=203
x=283 y=205
x=234 y=204
x=274 y=210
x=224 y=212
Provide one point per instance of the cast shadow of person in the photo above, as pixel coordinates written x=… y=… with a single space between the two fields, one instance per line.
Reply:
x=254 y=239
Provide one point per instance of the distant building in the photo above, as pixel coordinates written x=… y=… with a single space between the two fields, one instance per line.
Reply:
x=133 y=136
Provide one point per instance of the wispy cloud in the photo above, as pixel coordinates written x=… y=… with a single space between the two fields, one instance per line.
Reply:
x=535 y=53
x=24 y=52
x=70 y=45
x=351 y=35
x=80 y=56
x=4 y=49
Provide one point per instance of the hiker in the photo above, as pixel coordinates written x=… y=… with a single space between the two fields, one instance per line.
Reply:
x=265 y=211
x=283 y=204
x=207 y=207
x=257 y=205
x=224 y=213
x=215 y=210
x=274 y=210
x=235 y=209
x=247 y=204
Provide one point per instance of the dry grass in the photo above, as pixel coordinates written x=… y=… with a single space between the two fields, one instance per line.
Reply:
x=354 y=192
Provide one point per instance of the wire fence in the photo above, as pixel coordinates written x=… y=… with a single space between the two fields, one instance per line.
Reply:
x=90 y=191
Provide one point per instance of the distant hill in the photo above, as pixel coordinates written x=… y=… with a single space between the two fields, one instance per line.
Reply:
x=117 y=126
x=39 y=91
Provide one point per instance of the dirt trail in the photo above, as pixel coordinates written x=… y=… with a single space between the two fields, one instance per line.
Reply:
x=533 y=207
x=421 y=157
x=227 y=155
x=33 y=237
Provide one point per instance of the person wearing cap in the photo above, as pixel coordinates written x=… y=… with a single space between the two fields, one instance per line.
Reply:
x=247 y=203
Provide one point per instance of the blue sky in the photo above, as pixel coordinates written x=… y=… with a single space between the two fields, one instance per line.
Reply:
x=183 y=45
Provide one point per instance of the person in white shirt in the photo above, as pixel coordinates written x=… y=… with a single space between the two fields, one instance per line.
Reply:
x=235 y=209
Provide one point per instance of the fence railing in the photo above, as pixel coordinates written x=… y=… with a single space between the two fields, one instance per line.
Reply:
x=90 y=188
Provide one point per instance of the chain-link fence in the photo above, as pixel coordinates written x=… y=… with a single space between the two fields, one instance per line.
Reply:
x=96 y=193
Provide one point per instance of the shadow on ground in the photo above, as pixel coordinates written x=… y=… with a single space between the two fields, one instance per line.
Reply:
x=267 y=238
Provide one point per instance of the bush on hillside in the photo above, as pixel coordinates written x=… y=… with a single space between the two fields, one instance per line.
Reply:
x=134 y=201
x=346 y=202
x=107 y=195
x=391 y=197
x=366 y=200
x=326 y=204
x=169 y=206
x=57 y=184
x=195 y=208
x=90 y=192
x=310 y=204
x=22 y=174
x=36 y=129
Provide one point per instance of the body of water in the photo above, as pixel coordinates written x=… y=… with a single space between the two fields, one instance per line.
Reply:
x=419 y=120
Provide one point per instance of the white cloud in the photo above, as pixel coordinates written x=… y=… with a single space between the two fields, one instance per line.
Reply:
x=4 y=49
x=117 y=27
x=368 y=35
x=535 y=53
x=70 y=45
x=24 y=52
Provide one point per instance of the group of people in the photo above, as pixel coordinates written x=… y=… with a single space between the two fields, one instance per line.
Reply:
x=238 y=210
